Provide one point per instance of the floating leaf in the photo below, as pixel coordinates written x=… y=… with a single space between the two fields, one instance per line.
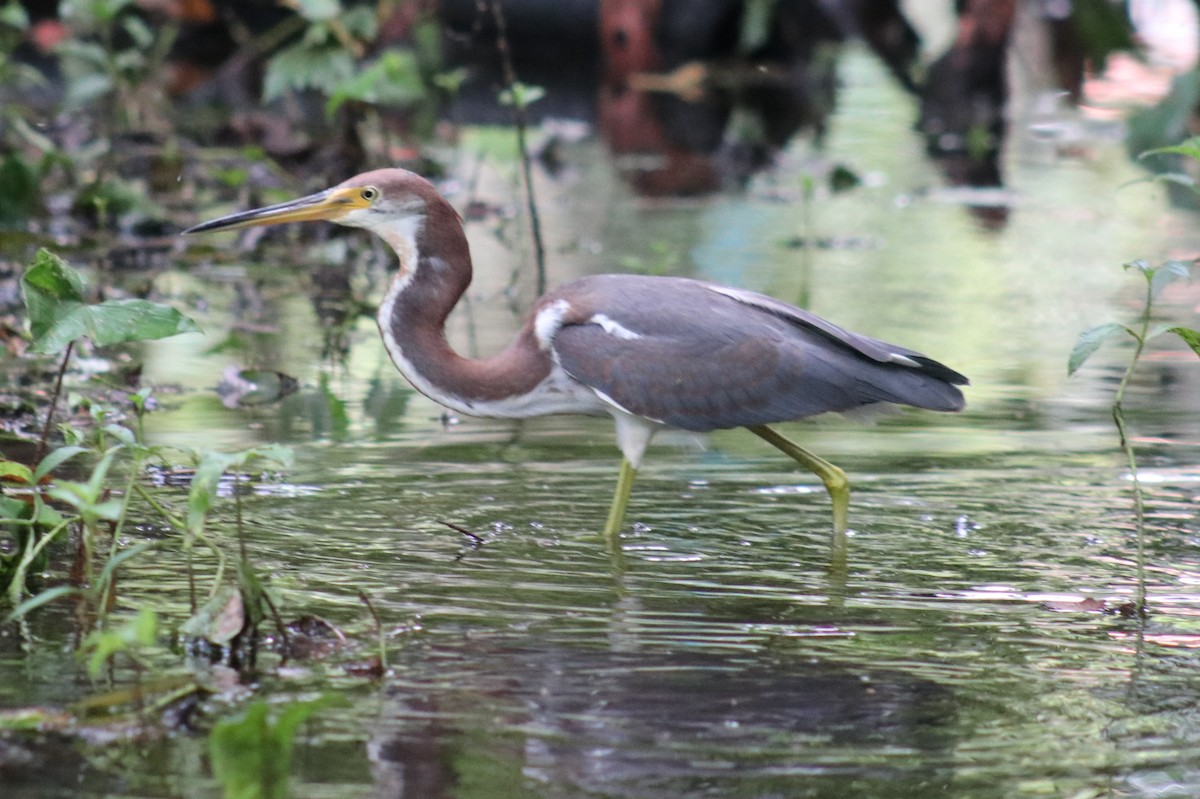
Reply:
x=53 y=293
x=1189 y=336
x=1090 y=341
x=245 y=387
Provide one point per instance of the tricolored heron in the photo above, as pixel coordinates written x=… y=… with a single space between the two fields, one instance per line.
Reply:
x=651 y=352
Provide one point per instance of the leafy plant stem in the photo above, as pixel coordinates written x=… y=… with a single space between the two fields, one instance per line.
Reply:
x=17 y=586
x=62 y=370
x=521 y=123
x=106 y=589
x=180 y=524
x=237 y=505
x=1118 y=414
x=383 y=659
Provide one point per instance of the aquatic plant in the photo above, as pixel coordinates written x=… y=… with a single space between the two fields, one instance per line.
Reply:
x=251 y=753
x=1156 y=278
x=45 y=506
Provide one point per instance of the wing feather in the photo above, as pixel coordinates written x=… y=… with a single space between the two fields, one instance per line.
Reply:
x=703 y=357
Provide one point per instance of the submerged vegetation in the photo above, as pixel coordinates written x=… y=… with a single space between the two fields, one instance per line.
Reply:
x=1156 y=279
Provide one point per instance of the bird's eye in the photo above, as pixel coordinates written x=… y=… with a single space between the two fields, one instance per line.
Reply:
x=369 y=193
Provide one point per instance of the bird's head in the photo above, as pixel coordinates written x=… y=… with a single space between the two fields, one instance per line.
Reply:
x=384 y=201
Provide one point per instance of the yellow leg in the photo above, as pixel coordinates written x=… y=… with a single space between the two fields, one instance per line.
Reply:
x=834 y=479
x=616 y=513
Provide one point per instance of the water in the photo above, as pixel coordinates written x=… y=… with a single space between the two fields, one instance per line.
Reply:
x=976 y=647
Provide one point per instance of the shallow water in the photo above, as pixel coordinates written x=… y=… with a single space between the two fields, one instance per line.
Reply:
x=716 y=655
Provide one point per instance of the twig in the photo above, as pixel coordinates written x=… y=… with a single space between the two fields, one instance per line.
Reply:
x=366 y=600
x=476 y=541
x=62 y=370
x=521 y=121
x=284 y=641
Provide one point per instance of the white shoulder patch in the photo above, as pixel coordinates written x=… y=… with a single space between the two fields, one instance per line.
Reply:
x=613 y=327
x=548 y=322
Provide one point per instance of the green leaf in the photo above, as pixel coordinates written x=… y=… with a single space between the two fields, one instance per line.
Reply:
x=115 y=562
x=304 y=65
x=1101 y=28
x=87 y=89
x=1190 y=148
x=47 y=516
x=252 y=755
x=1178 y=178
x=393 y=79
x=134 y=634
x=219 y=620
x=34 y=602
x=318 y=10
x=208 y=476
x=1189 y=336
x=20 y=190
x=115 y=322
x=12 y=509
x=13 y=15
x=451 y=80
x=15 y=472
x=361 y=22
x=49 y=280
x=122 y=434
x=55 y=459
x=1168 y=273
x=1090 y=341
x=53 y=294
x=1169 y=121
x=522 y=95
x=140 y=32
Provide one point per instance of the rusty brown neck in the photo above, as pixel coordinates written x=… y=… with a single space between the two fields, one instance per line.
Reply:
x=435 y=271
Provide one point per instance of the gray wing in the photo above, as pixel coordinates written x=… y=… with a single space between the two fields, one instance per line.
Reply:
x=703 y=357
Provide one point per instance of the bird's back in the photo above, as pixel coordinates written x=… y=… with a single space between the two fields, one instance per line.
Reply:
x=699 y=356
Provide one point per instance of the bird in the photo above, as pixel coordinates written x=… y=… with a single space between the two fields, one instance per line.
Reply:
x=652 y=352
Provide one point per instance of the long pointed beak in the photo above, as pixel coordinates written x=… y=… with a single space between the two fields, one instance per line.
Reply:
x=331 y=204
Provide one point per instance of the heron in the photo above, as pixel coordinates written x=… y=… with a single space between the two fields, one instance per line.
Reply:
x=650 y=352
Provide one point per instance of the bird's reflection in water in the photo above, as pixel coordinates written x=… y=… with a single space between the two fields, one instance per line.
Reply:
x=573 y=722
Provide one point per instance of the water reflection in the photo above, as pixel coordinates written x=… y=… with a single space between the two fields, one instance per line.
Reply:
x=696 y=97
x=660 y=725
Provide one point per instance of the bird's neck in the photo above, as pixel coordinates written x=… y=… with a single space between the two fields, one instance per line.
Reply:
x=435 y=271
